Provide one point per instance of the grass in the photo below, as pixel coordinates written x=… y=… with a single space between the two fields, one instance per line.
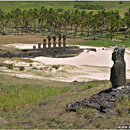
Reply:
x=13 y=96
x=66 y=5
x=20 y=93
x=102 y=43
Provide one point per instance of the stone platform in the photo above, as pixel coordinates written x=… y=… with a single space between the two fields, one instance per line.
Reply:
x=102 y=101
x=68 y=51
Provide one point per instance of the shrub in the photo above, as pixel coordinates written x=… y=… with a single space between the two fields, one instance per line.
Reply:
x=120 y=2
x=56 y=66
x=60 y=10
x=75 y=124
x=88 y=6
x=10 y=66
x=21 y=68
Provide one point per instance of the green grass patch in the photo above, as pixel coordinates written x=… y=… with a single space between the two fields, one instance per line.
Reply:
x=13 y=96
x=55 y=66
x=103 y=43
x=86 y=87
x=10 y=66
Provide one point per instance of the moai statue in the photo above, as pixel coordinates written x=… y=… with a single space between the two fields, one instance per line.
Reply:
x=34 y=47
x=49 y=41
x=59 y=37
x=49 y=38
x=118 y=70
x=44 y=43
x=54 y=41
x=59 y=43
x=39 y=46
x=64 y=38
x=64 y=42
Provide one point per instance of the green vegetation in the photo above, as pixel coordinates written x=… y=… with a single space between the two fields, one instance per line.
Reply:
x=21 y=108
x=21 y=68
x=88 y=6
x=13 y=96
x=103 y=24
x=75 y=124
x=10 y=66
x=55 y=66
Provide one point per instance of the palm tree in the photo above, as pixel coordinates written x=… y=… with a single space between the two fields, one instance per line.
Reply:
x=2 y=20
x=88 y=21
x=76 y=21
x=83 y=14
x=93 y=23
x=16 y=13
x=102 y=19
x=8 y=18
x=114 y=22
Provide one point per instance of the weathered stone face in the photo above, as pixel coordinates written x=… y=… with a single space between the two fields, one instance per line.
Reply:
x=118 y=70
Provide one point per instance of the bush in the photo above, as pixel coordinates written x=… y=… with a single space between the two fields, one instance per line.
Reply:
x=88 y=6
x=56 y=66
x=60 y=10
x=120 y=2
x=10 y=66
x=21 y=68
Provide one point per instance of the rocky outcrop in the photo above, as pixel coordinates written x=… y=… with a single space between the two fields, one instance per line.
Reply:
x=101 y=101
x=69 y=51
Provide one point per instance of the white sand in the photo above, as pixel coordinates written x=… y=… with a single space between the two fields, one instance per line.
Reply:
x=100 y=58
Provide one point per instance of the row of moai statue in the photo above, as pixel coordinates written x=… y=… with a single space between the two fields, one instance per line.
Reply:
x=54 y=42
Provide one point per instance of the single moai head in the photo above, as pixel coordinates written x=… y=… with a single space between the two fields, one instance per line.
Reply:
x=118 y=70
x=49 y=38
x=118 y=53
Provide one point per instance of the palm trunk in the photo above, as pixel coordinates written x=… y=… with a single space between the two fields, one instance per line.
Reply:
x=9 y=28
x=41 y=27
x=60 y=26
x=94 y=31
x=102 y=31
x=71 y=26
x=64 y=28
x=16 y=28
x=35 y=26
x=81 y=29
x=88 y=32
x=57 y=29
x=75 y=31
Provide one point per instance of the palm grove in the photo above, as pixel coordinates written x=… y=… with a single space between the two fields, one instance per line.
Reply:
x=74 y=23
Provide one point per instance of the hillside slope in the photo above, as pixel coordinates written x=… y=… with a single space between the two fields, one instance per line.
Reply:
x=66 y=5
